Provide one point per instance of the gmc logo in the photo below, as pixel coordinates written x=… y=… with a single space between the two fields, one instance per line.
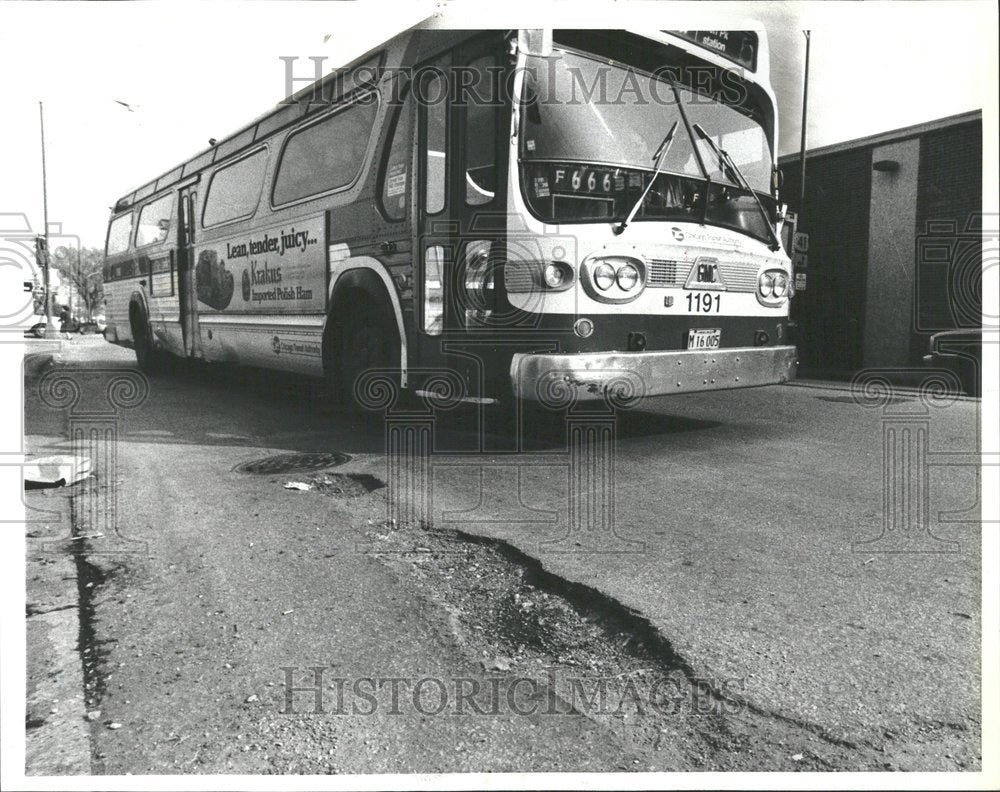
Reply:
x=708 y=272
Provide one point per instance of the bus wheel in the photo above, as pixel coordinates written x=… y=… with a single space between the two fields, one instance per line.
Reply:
x=146 y=356
x=365 y=340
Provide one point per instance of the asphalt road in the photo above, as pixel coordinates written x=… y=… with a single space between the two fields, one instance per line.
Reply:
x=733 y=539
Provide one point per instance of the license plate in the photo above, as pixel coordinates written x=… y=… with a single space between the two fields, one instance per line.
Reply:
x=704 y=339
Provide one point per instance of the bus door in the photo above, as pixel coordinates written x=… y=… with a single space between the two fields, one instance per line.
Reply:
x=462 y=205
x=187 y=293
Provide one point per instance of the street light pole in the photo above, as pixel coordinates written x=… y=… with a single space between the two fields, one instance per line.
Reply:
x=50 y=331
x=802 y=147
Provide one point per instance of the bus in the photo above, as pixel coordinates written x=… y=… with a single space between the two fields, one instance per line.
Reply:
x=483 y=216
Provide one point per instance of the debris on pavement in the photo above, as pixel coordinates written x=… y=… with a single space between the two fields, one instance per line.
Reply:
x=56 y=471
x=351 y=485
x=498 y=664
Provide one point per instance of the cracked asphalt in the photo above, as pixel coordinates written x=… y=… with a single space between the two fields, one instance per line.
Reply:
x=746 y=548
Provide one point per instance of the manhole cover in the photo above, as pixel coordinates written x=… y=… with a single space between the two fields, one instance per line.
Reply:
x=288 y=463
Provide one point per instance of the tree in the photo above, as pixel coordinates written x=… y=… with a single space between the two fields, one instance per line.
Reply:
x=84 y=269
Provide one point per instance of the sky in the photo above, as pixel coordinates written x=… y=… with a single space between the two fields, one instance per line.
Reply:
x=190 y=71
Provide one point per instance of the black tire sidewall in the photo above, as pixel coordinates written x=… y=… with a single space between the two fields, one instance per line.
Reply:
x=363 y=342
x=145 y=355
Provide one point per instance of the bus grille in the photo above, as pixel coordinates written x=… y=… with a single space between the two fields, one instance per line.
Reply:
x=662 y=272
x=519 y=277
x=738 y=276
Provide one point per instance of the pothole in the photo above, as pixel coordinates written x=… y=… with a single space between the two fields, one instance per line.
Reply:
x=292 y=463
x=596 y=659
x=348 y=485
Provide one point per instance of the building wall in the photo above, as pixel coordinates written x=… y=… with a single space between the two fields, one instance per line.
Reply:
x=949 y=218
x=894 y=255
x=892 y=219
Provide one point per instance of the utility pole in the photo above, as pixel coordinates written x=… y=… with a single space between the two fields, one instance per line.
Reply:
x=802 y=147
x=50 y=330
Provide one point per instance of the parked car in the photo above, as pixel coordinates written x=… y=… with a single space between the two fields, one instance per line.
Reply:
x=961 y=352
x=38 y=329
x=95 y=324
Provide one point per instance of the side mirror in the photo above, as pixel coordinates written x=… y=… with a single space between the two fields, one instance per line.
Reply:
x=536 y=42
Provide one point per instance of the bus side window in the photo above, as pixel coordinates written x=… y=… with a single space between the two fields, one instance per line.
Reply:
x=395 y=175
x=325 y=155
x=119 y=233
x=234 y=189
x=435 y=95
x=480 y=131
x=154 y=221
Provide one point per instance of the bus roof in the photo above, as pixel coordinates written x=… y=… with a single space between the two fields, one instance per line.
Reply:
x=344 y=80
x=339 y=83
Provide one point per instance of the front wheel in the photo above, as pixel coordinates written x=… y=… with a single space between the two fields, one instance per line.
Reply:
x=365 y=340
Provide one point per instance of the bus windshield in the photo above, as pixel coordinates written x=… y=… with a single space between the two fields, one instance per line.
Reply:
x=589 y=136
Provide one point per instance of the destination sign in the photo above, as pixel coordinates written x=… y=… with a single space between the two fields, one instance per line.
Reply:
x=739 y=46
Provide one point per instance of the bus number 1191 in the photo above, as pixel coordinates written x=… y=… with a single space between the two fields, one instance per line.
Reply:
x=704 y=302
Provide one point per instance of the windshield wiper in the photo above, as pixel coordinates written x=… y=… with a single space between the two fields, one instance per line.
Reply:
x=659 y=155
x=726 y=162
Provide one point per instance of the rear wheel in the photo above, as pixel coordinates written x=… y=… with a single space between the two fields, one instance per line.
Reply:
x=146 y=357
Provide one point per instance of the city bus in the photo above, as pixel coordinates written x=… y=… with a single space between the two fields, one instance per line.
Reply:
x=487 y=216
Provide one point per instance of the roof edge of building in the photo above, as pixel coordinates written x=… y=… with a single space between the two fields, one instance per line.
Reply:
x=887 y=137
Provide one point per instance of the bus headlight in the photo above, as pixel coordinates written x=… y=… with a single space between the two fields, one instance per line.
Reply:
x=613 y=278
x=772 y=288
x=780 y=288
x=555 y=275
x=604 y=276
x=627 y=277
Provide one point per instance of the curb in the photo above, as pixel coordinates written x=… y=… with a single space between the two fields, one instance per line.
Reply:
x=57 y=730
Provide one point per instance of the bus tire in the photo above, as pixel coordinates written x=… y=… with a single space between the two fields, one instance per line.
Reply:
x=146 y=356
x=361 y=337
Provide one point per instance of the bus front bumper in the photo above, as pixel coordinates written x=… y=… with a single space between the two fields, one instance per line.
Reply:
x=561 y=378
